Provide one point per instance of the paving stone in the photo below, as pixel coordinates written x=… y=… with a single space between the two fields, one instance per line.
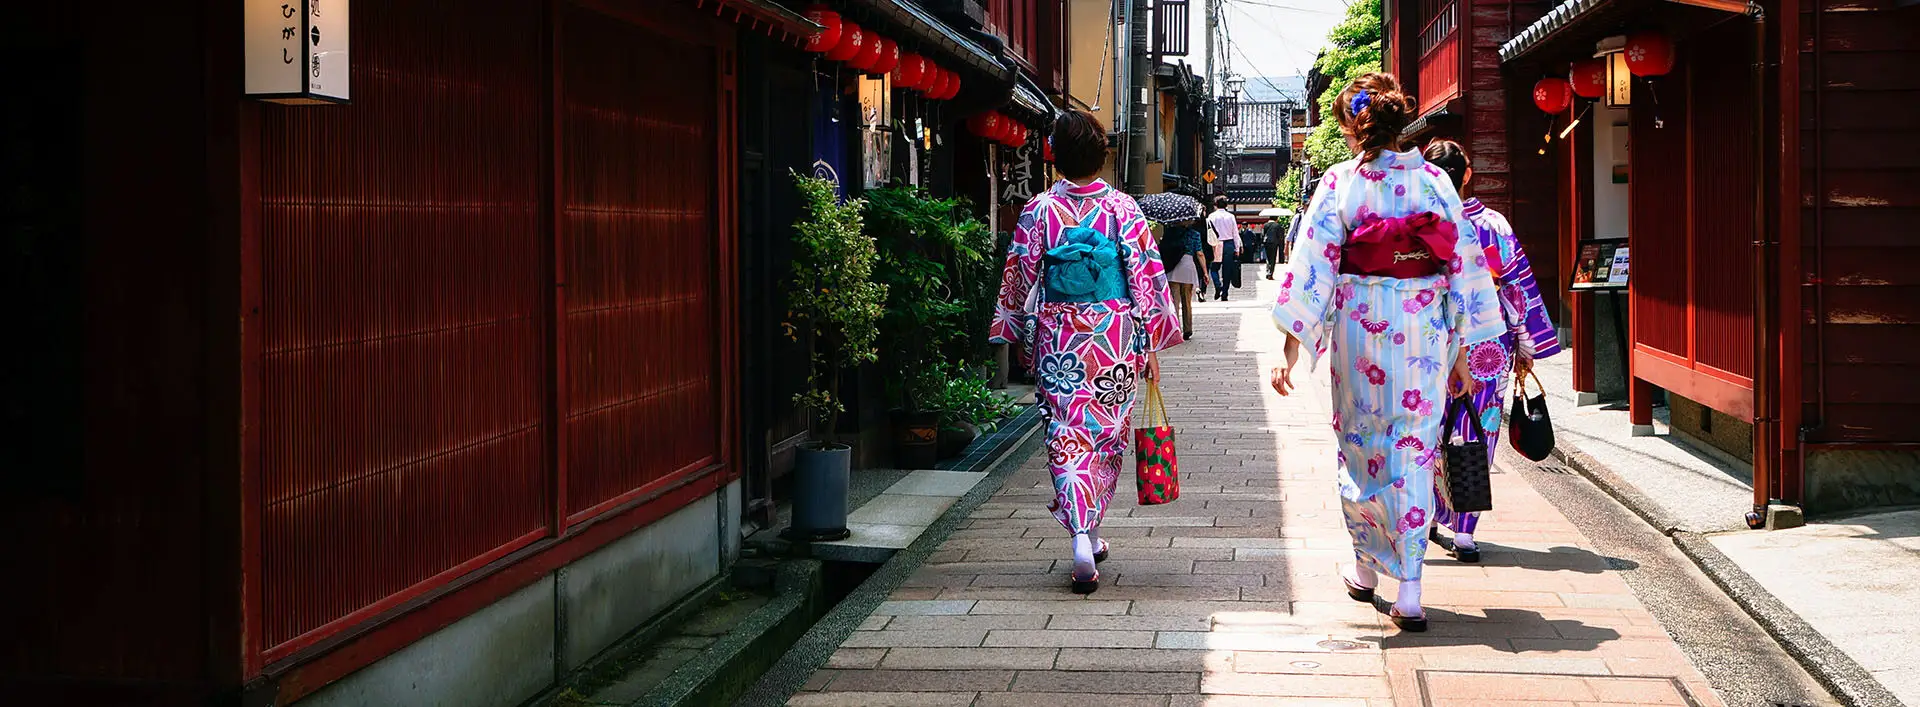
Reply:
x=1230 y=596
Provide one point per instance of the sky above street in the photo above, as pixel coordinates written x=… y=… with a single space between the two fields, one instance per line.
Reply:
x=1267 y=37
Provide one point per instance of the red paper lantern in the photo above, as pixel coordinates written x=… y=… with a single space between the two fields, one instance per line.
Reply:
x=1019 y=138
x=938 y=91
x=911 y=70
x=1046 y=151
x=953 y=87
x=869 y=55
x=984 y=125
x=1649 y=54
x=1007 y=128
x=1552 y=95
x=824 y=41
x=1589 y=78
x=852 y=40
x=889 y=57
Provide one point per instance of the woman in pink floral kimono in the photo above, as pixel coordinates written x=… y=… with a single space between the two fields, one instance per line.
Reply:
x=1388 y=283
x=1085 y=290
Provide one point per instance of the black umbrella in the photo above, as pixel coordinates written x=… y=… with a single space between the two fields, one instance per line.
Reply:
x=1168 y=207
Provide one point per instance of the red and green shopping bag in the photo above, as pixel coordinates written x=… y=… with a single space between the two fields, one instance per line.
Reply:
x=1156 y=468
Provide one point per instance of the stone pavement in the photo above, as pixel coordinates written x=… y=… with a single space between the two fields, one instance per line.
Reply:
x=1231 y=595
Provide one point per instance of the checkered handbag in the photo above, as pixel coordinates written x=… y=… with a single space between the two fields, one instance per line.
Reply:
x=1156 y=467
x=1468 y=483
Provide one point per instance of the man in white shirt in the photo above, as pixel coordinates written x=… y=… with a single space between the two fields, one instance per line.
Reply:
x=1223 y=236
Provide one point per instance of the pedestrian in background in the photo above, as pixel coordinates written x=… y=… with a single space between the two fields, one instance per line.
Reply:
x=1224 y=239
x=1180 y=254
x=1084 y=283
x=1388 y=284
x=1274 y=237
x=1529 y=333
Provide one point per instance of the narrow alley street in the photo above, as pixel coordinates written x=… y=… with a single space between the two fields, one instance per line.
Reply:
x=1230 y=595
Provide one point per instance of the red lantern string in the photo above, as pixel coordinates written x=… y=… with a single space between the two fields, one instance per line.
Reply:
x=907 y=75
x=1649 y=54
x=852 y=40
x=1589 y=78
x=889 y=56
x=869 y=55
x=824 y=41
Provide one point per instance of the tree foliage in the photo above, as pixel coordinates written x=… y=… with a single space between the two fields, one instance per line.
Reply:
x=835 y=301
x=1353 y=48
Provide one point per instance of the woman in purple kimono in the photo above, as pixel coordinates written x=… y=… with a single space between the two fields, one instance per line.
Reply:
x=1529 y=336
x=1085 y=290
x=1387 y=285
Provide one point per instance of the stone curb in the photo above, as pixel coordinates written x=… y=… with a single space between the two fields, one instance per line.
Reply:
x=722 y=672
x=812 y=651
x=1852 y=684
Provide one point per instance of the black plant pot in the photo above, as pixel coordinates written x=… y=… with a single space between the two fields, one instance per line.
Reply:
x=954 y=440
x=916 y=439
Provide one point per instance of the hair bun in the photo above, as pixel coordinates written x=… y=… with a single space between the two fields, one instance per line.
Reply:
x=1379 y=118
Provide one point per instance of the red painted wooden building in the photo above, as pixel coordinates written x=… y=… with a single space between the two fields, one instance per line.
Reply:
x=1773 y=277
x=343 y=377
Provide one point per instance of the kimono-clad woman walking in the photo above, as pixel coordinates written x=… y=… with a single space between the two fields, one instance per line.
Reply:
x=1085 y=287
x=1386 y=281
x=1529 y=336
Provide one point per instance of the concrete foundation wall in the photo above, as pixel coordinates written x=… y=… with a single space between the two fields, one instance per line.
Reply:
x=1845 y=480
x=519 y=646
x=497 y=657
x=618 y=587
x=1716 y=429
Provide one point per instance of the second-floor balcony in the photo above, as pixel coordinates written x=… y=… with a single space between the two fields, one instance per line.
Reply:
x=1440 y=53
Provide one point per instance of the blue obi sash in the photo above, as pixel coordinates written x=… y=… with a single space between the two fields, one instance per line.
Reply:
x=1085 y=267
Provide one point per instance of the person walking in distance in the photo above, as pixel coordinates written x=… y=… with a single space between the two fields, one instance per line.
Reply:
x=1180 y=255
x=1276 y=238
x=1084 y=284
x=1389 y=285
x=1529 y=333
x=1224 y=238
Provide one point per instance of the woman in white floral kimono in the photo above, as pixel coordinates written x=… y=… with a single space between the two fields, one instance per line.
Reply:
x=1388 y=282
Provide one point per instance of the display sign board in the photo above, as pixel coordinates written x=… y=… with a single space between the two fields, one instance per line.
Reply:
x=1602 y=265
x=296 y=51
x=1253 y=176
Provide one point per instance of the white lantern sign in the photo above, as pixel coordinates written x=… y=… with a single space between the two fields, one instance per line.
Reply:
x=296 y=51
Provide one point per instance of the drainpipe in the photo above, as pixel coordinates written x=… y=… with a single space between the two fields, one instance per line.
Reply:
x=1765 y=418
x=1139 y=72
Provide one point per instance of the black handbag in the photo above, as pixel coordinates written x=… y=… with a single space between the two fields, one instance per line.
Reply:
x=1469 y=481
x=1529 y=429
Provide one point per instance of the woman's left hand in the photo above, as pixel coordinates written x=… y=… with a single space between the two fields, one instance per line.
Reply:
x=1152 y=369
x=1461 y=381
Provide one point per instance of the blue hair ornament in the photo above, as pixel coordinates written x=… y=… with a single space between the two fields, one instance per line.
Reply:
x=1359 y=103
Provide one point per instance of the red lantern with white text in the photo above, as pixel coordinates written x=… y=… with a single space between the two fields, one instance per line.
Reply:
x=1649 y=54
x=1552 y=95
x=869 y=55
x=1019 y=138
x=852 y=40
x=889 y=57
x=939 y=90
x=1589 y=78
x=911 y=70
x=1046 y=151
x=824 y=41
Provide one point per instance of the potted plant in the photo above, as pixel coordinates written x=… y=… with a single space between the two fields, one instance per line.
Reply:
x=972 y=407
x=835 y=304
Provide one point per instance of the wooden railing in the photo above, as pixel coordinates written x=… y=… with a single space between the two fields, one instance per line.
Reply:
x=1439 y=65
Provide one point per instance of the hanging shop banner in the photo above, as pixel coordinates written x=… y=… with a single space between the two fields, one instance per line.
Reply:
x=1025 y=174
x=876 y=156
x=296 y=51
x=829 y=144
x=1603 y=265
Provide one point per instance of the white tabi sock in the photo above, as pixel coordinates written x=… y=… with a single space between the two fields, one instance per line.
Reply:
x=1463 y=541
x=1083 y=548
x=1408 y=603
x=1364 y=576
